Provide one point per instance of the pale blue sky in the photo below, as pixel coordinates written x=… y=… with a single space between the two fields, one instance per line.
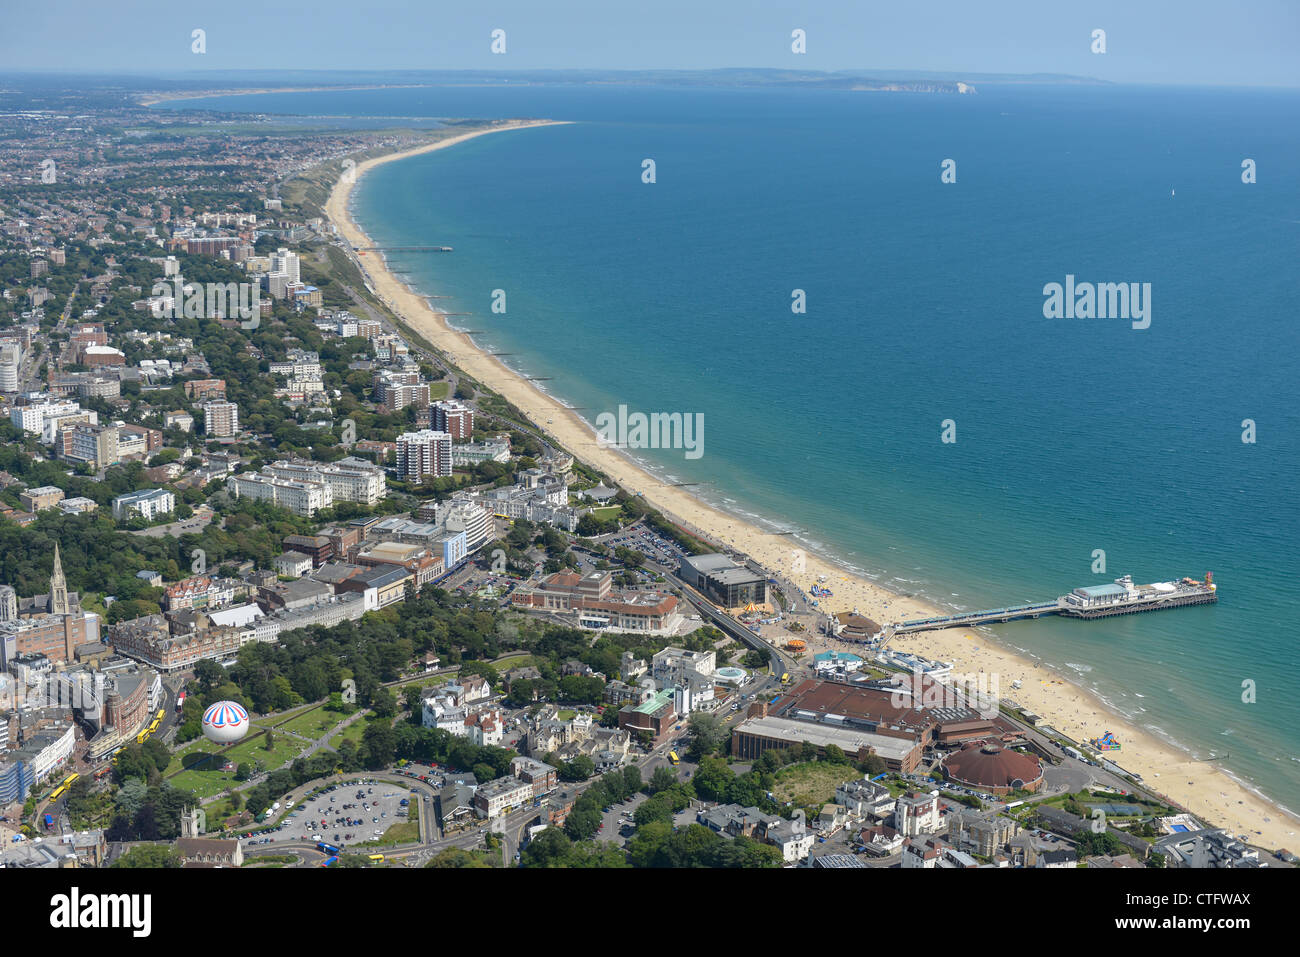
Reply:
x=1252 y=42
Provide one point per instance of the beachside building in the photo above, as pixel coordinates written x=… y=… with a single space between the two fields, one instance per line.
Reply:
x=453 y=417
x=589 y=599
x=721 y=579
x=1206 y=848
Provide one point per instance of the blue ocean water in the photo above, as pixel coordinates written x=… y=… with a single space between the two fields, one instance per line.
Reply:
x=925 y=303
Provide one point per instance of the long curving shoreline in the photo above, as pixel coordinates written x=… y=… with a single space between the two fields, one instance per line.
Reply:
x=1202 y=787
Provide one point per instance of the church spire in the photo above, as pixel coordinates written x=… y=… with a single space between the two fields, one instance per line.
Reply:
x=58 y=587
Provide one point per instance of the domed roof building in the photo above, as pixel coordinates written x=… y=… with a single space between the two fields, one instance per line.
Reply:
x=851 y=626
x=989 y=766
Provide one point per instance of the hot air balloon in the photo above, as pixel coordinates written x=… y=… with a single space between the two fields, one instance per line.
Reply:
x=225 y=722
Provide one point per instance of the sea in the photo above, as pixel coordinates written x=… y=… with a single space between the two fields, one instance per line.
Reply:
x=1080 y=449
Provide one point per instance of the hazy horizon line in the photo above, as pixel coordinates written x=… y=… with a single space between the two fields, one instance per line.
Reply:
x=374 y=75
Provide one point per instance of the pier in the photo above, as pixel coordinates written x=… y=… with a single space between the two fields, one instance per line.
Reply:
x=1013 y=613
x=1092 y=601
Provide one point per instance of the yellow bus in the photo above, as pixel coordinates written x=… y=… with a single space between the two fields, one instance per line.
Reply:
x=142 y=736
x=162 y=713
x=67 y=782
x=785 y=678
x=376 y=857
x=58 y=792
x=672 y=757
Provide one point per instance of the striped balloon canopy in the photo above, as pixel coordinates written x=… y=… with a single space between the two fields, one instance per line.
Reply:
x=225 y=722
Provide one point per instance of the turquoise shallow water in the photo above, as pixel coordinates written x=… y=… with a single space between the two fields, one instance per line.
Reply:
x=924 y=304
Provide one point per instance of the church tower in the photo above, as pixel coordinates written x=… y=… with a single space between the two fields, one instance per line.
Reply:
x=194 y=822
x=58 y=587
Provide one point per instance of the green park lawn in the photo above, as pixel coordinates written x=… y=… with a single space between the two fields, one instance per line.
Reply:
x=206 y=778
x=352 y=732
x=280 y=717
x=312 y=724
x=811 y=784
x=514 y=660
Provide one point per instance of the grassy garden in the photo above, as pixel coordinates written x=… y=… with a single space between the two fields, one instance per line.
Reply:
x=812 y=784
x=198 y=767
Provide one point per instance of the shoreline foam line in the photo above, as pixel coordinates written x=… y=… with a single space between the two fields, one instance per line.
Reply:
x=1204 y=788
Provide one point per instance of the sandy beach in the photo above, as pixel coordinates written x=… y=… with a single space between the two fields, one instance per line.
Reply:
x=1203 y=788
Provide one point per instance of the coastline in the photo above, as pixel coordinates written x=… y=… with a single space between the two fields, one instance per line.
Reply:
x=153 y=99
x=1204 y=788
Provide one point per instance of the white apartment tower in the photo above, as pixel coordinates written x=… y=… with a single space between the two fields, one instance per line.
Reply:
x=283 y=261
x=220 y=419
x=423 y=454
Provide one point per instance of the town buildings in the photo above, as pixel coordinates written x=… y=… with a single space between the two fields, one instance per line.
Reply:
x=52 y=625
x=792 y=838
x=501 y=796
x=95 y=445
x=654 y=716
x=42 y=497
x=863 y=798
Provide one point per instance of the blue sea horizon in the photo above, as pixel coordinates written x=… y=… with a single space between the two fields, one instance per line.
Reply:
x=924 y=304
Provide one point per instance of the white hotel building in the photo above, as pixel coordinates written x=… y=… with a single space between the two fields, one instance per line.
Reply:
x=301 y=498
x=32 y=418
x=349 y=480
